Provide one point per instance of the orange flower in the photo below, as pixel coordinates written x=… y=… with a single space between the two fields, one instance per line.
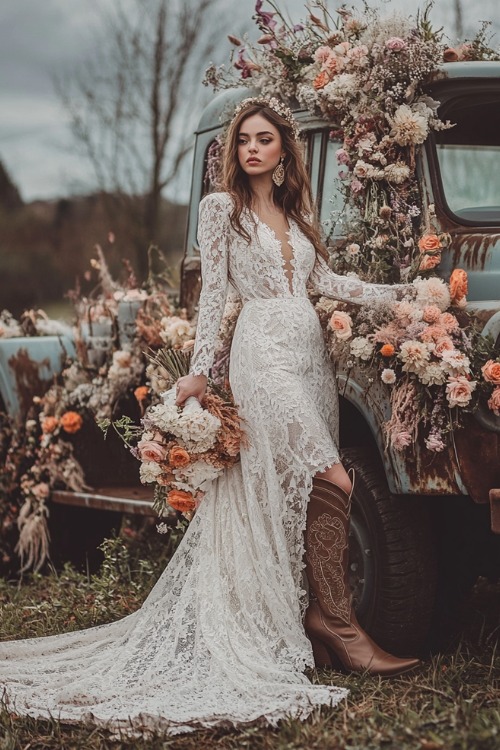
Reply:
x=429 y=261
x=181 y=501
x=387 y=350
x=429 y=242
x=491 y=372
x=49 y=424
x=178 y=457
x=71 y=421
x=141 y=393
x=321 y=80
x=458 y=285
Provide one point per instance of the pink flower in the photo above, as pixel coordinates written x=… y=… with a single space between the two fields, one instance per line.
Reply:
x=388 y=376
x=322 y=54
x=342 y=156
x=431 y=314
x=459 y=391
x=356 y=186
x=444 y=344
x=448 y=321
x=434 y=443
x=341 y=324
x=494 y=402
x=491 y=372
x=395 y=44
x=428 y=262
x=41 y=490
x=151 y=451
x=401 y=439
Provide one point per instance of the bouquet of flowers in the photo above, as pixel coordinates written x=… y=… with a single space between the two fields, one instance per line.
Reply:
x=427 y=350
x=181 y=449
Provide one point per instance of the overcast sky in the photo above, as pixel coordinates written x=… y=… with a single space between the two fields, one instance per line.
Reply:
x=39 y=38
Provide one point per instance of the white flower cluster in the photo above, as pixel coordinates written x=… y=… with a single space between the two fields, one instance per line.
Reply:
x=176 y=331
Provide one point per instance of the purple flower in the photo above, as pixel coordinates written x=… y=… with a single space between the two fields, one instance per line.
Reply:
x=246 y=66
x=265 y=17
x=298 y=27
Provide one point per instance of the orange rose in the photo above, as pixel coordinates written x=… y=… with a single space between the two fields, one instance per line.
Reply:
x=141 y=393
x=387 y=350
x=49 y=424
x=448 y=322
x=429 y=242
x=491 y=372
x=321 y=80
x=181 y=501
x=458 y=285
x=71 y=422
x=178 y=457
x=494 y=402
x=429 y=262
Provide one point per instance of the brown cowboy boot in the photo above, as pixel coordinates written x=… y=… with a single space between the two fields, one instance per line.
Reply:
x=330 y=621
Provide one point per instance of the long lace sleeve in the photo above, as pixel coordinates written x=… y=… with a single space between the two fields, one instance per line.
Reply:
x=213 y=243
x=351 y=289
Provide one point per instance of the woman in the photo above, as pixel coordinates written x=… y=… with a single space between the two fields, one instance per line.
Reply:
x=220 y=638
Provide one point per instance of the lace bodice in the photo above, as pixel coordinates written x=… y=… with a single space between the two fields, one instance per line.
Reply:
x=256 y=270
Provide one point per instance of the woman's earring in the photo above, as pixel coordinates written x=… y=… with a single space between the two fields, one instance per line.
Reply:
x=279 y=173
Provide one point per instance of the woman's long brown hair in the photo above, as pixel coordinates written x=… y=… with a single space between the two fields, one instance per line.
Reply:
x=294 y=196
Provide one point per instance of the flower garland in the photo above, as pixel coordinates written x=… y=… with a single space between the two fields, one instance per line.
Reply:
x=364 y=74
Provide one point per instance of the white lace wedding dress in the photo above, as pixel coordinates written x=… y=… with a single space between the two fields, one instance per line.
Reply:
x=220 y=639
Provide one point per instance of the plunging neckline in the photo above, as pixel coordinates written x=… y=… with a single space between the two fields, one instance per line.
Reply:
x=289 y=279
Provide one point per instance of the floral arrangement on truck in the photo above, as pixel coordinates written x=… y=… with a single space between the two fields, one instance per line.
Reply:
x=364 y=74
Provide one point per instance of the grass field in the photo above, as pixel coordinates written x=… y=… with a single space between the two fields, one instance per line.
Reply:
x=451 y=703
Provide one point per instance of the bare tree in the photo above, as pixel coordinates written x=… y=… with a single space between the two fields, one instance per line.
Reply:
x=134 y=105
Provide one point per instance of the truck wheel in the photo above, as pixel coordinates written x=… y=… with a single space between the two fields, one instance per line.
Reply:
x=393 y=568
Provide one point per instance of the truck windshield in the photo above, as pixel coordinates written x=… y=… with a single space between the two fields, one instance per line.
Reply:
x=469 y=159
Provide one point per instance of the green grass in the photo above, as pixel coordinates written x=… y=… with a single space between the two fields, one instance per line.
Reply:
x=451 y=703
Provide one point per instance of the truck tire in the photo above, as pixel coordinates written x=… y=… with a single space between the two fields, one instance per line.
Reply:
x=393 y=565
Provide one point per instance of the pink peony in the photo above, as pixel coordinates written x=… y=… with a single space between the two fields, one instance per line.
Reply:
x=151 y=451
x=322 y=54
x=459 y=391
x=356 y=186
x=494 y=402
x=395 y=44
x=341 y=324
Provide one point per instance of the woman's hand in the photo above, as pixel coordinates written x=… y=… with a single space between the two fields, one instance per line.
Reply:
x=190 y=385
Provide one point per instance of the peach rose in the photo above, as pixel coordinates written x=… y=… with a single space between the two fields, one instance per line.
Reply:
x=387 y=350
x=459 y=391
x=341 y=324
x=433 y=333
x=494 y=402
x=443 y=345
x=448 y=322
x=149 y=450
x=178 y=457
x=428 y=262
x=49 y=424
x=141 y=393
x=429 y=242
x=450 y=55
x=321 y=80
x=458 y=285
x=491 y=372
x=181 y=501
x=431 y=314
x=71 y=422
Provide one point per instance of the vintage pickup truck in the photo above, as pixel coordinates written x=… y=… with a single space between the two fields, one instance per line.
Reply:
x=424 y=526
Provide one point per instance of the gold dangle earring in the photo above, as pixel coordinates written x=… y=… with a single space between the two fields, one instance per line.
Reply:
x=279 y=173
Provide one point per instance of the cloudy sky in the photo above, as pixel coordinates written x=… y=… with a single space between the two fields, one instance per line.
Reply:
x=41 y=38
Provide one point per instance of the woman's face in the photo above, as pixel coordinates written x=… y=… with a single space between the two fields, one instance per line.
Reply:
x=259 y=146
